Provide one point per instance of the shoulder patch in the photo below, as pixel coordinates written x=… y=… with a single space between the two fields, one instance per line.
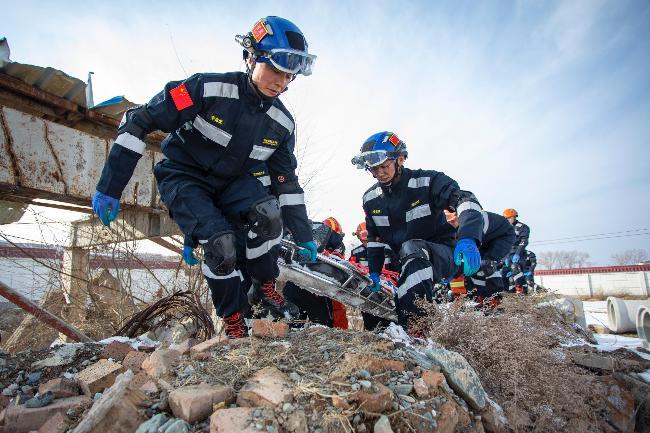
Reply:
x=181 y=97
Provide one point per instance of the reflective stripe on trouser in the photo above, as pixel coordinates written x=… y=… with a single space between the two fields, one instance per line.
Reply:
x=479 y=285
x=417 y=277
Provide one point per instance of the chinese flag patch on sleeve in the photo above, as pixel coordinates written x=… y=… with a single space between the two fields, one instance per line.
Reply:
x=181 y=97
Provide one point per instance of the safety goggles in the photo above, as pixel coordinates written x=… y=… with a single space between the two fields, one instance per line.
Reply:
x=290 y=61
x=367 y=160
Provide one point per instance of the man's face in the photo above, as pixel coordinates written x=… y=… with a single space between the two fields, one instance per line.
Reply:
x=385 y=171
x=511 y=220
x=269 y=81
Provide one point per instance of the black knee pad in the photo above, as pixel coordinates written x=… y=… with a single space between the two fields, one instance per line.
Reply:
x=266 y=218
x=488 y=266
x=220 y=253
x=413 y=249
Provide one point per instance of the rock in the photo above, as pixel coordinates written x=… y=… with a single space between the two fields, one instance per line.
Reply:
x=235 y=420
x=64 y=354
x=382 y=425
x=19 y=418
x=175 y=426
x=133 y=361
x=619 y=409
x=295 y=376
x=117 y=411
x=462 y=378
x=268 y=328
x=288 y=408
x=605 y=362
x=365 y=384
x=34 y=378
x=404 y=389
x=116 y=351
x=448 y=418
x=493 y=418
x=40 y=400
x=152 y=424
x=60 y=387
x=340 y=402
x=98 y=376
x=194 y=403
x=268 y=387
x=378 y=401
x=160 y=363
x=297 y=422
x=353 y=362
x=56 y=424
x=421 y=388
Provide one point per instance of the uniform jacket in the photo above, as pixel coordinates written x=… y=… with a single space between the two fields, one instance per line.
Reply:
x=522 y=231
x=218 y=125
x=413 y=209
x=498 y=236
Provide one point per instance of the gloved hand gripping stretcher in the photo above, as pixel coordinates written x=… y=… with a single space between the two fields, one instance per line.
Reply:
x=337 y=279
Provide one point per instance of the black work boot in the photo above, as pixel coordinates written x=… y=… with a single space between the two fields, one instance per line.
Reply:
x=235 y=326
x=266 y=294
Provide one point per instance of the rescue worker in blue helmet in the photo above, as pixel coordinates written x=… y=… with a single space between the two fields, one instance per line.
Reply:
x=404 y=210
x=222 y=125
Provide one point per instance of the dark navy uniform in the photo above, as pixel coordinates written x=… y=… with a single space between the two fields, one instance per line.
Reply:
x=391 y=262
x=498 y=237
x=409 y=218
x=220 y=129
x=529 y=268
x=522 y=233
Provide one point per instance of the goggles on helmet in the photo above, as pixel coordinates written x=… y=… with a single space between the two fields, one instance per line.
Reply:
x=290 y=60
x=373 y=158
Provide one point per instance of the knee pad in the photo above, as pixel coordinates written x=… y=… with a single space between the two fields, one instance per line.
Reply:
x=413 y=249
x=266 y=218
x=220 y=253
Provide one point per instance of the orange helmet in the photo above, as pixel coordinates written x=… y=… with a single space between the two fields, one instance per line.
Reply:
x=510 y=213
x=361 y=232
x=332 y=223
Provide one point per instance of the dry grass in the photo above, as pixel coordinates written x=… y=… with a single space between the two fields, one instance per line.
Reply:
x=517 y=353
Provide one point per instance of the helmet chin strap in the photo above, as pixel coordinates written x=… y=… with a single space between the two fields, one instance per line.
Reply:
x=396 y=175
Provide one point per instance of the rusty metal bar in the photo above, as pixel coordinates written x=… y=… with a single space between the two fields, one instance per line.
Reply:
x=43 y=315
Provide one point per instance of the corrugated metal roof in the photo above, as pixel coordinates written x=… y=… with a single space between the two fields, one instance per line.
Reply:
x=60 y=84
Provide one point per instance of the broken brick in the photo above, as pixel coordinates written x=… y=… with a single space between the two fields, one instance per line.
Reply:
x=376 y=400
x=206 y=345
x=116 y=351
x=235 y=420
x=433 y=379
x=184 y=347
x=60 y=387
x=56 y=424
x=195 y=402
x=160 y=362
x=268 y=387
x=269 y=328
x=98 y=376
x=20 y=419
x=133 y=361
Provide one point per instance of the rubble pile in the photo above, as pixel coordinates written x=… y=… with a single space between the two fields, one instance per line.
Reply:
x=311 y=379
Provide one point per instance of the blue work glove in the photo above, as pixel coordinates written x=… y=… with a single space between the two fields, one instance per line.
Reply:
x=375 y=287
x=310 y=252
x=188 y=256
x=509 y=274
x=515 y=258
x=506 y=262
x=105 y=207
x=467 y=252
x=527 y=274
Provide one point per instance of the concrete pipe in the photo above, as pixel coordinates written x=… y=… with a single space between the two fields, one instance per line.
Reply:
x=621 y=314
x=643 y=325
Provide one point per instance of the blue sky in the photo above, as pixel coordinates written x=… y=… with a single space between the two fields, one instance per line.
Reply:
x=541 y=106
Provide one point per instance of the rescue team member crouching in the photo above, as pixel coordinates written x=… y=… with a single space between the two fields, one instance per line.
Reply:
x=529 y=269
x=498 y=237
x=321 y=309
x=220 y=126
x=404 y=210
x=518 y=251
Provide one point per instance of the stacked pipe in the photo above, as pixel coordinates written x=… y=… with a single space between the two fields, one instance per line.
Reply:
x=643 y=325
x=629 y=316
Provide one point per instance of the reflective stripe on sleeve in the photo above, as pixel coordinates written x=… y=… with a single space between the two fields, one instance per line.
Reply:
x=418 y=212
x=376 y=245
x=210 y=131
x=419 y=182
x=261 y=153
x=478 y=282
x=467 y=206
x=371 y=194
x=380 y=221
x=223 y=90
x=264 y=180
x=414 y=279
x=131 y=142
x=486 y=222
x=279 y=116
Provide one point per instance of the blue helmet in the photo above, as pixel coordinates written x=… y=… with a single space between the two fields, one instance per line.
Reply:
x=279 y=43
x=378 y=148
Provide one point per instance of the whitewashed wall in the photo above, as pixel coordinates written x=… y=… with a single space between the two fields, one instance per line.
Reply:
x=599 y=285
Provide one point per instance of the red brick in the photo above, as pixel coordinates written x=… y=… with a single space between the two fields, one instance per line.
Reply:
x=268 y=328
x=133 y=361
x=20 y=419
x=160 y=363
x=353 y=362
x=184 y=347
x=433 y=378
x=56 y=424
x=376 y=400
x=116 y=350
x=60 y=387
x=268 y=387
x=207 y=345
x=98 y=376
x=194 y=403
x=236 y=420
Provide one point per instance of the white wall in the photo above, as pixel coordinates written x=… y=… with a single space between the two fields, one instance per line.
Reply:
x=598 y=285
